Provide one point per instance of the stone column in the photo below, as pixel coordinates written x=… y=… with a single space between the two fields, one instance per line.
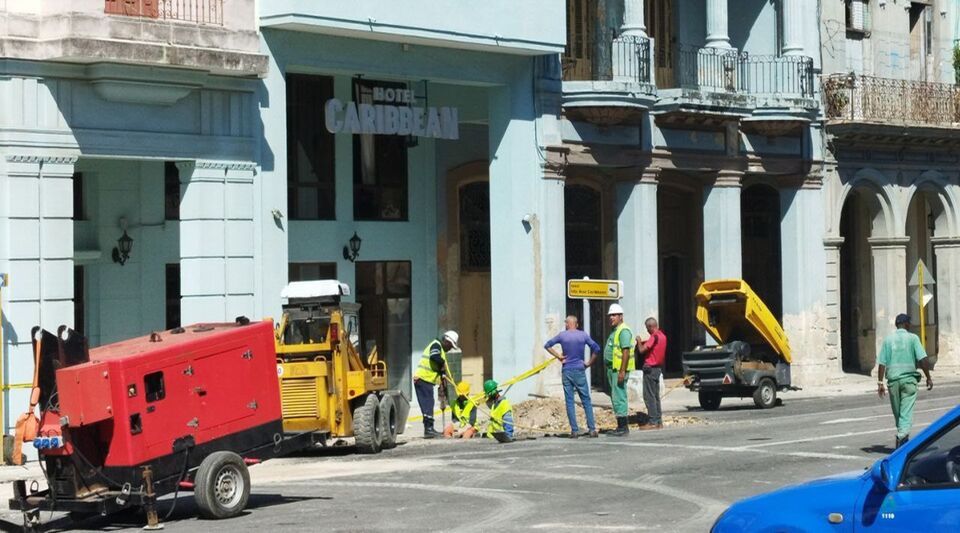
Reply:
x=831 y=247
x=722 y=256
x=551 y=262
x=717 y=36
x=633 y=23
x=947 y=251
x=792 y=14
x=637 y=256
x=36 y=250
x=803 y=275
x=889 y=286
x=216 y=241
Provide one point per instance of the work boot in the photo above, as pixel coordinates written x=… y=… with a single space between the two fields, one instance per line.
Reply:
x=650 y=425
x=589 y=434
x=428 y=431
x=902 y=440
x=622 y=429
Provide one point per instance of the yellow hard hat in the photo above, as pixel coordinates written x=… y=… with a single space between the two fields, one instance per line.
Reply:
x=463 y=388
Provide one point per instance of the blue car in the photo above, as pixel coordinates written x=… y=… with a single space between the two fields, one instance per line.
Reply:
x=916 y=488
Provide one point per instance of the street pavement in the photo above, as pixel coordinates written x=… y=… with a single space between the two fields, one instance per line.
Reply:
x=677 y=479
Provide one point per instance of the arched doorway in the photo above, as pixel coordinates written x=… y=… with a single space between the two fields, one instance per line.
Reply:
x=583 y=238
x=926 y=219
x=760 y=231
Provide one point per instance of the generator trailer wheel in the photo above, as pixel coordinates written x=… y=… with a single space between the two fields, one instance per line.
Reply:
x=222 y=485
x=710 y=400
x=765 y=397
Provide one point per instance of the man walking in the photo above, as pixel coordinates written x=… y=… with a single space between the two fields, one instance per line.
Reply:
x=572 y=343
x=429 y=374
x=619 y=363
x=655 y=349
x=900 y=356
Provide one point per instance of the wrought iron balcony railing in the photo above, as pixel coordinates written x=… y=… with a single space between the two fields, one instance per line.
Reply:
x=733 y=71
x=609 y=57
x=207 y=12
x=870 y=99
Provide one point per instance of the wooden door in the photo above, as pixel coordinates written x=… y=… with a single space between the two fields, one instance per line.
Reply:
x=659 y=20
x=578 y=57
x=475 y=310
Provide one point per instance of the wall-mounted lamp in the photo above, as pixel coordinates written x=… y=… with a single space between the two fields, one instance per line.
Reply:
x=121 y=252
x=352 y=250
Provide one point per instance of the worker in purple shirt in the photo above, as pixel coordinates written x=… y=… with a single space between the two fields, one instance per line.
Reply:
x=572 y=342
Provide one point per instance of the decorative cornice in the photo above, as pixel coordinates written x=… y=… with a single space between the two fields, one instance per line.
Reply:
x=43 y=159
x=650 y=176
x=888 y=242
x=833 y=242
x=945 y=242
x=227 y=165
x=728 y=178
x=555 y=163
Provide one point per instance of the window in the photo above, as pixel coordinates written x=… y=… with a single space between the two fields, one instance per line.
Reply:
x=79 y=302
x=173 y=295
x=475 y=227
x=153 y=387
x=383 y=292
x=311 y=271
x=310 y=149
x=858 y=15
x=937 y=463
x=171 y=191
x=379 y=166
x=79 y=213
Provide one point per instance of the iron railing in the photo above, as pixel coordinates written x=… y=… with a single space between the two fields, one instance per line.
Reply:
x=733 y=71
x=207 y=12
x=612 y=57
x=871 y=99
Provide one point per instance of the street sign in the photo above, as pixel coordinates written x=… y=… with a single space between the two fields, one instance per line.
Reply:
x=923 y=280
x=595 y=289
x=922 y=300
x=921 y=276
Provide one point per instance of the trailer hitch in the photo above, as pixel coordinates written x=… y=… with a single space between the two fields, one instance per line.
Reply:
x=124 y=495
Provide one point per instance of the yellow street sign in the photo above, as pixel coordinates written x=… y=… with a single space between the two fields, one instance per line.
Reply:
x=595 y=289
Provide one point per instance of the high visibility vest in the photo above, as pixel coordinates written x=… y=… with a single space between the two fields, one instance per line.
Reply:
x=614 y=342
x=426 y=370
x=462 y=414
x=497 y=414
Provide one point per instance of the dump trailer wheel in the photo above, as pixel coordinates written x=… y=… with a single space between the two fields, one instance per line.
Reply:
x=388 y=422
x=710 y=400
x=765 y=397
x=367 y=427
x=222 y=485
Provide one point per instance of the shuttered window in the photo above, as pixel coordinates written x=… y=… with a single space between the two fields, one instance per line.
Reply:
x=132 y=8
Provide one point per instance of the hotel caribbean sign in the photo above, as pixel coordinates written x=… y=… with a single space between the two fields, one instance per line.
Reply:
x=392 y=113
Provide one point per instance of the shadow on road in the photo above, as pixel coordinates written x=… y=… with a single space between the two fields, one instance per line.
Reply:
x=878 y=448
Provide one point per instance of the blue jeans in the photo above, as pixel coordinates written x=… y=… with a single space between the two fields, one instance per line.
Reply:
x=576 y=380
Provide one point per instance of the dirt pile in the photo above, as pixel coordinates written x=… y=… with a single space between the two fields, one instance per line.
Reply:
x=549 y=415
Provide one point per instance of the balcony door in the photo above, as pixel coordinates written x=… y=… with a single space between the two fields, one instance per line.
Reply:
x=659 y=20
x=578 y=57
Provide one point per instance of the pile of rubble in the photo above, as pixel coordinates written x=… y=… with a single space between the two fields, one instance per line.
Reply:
x=549 y=415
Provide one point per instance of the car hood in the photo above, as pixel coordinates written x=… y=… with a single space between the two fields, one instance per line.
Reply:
x=819 y=497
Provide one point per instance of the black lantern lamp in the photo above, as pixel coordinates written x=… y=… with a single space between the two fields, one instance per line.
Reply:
x=352 y=250
x=121 y=252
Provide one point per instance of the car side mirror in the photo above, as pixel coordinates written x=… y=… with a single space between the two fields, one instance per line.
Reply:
x=881 y=473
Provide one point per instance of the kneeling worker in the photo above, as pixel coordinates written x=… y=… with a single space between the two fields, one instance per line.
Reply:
x=500 y=426
x=464 y=414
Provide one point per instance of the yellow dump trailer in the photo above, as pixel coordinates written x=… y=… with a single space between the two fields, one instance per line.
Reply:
x=752 y=357
x=325 y=385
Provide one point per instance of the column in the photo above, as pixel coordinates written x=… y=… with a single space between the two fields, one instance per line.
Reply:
x=792 y=14
x=831 y=248
x=889 y=286
x=722 y=256
x=36 y=250
x=947 y=251
x=633 y=23
x=637 y=254
x=216 y=241
x=551 y=255
x=804 y=274
x=717 y=24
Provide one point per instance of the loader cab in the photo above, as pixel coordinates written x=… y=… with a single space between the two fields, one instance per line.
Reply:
x=316 y=320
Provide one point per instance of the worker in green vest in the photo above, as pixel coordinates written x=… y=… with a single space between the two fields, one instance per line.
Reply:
x=429 y=374
x=500 y=426
x=464 y=414
x=618 y=358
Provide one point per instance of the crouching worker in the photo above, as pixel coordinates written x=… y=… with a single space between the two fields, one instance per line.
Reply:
x=463 y=424
x=500 y=426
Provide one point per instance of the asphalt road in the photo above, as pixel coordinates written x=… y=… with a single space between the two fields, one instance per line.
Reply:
x=677 y=479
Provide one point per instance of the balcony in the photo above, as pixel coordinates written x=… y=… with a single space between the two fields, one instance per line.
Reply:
x=610 y=85
x=210 y=36
x=867 y=108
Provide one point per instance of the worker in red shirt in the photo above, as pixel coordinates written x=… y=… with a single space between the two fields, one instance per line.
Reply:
x=654 y=351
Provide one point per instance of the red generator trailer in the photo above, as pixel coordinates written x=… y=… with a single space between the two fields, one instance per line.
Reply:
x=126 y=423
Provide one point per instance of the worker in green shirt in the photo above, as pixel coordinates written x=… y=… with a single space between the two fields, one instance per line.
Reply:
x=900 y=356
x=618 y=359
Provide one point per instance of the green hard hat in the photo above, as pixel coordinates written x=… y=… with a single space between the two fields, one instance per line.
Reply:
x=489 y=387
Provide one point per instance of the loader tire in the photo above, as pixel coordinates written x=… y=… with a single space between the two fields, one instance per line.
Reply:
x=221 y=486
x=367 y=427
x=710 y=401
x=765 y=396
x=388 y=423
